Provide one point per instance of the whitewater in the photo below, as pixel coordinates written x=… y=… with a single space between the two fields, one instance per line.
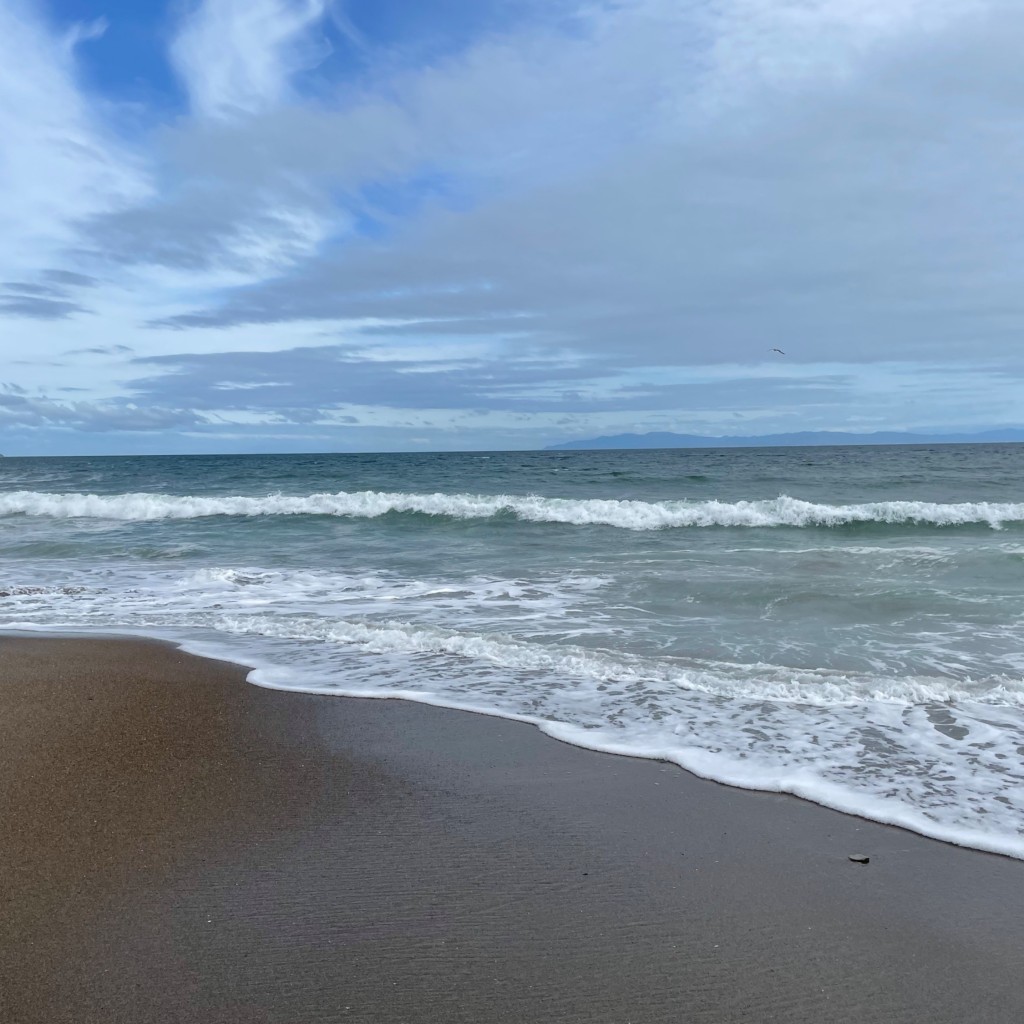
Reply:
x=622 y=514
x=841 y=624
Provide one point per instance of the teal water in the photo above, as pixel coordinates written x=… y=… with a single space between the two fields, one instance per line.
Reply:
x=841 y=623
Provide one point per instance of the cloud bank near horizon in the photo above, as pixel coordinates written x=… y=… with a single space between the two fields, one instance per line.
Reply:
x=388 y=224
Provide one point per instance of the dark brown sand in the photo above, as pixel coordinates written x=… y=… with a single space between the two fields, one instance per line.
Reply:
x=177 y=846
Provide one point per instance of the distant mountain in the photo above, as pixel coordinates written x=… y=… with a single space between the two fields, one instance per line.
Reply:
x=806 y=438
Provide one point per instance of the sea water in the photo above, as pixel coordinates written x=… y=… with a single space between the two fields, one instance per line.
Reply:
x=845 y=624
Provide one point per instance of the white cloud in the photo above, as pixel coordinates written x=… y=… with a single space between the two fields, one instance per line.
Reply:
x=793 y=43
x=58 y=165
x=238 y=56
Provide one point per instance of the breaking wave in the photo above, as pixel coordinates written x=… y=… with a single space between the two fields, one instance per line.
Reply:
x=782 y=511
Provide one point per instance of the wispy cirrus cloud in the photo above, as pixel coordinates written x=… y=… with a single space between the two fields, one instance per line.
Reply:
x=237 y=57
x=60 y=164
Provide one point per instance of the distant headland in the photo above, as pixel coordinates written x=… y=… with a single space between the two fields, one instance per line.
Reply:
x=666 y=439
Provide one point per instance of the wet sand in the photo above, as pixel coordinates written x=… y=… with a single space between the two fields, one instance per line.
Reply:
x=178 y=846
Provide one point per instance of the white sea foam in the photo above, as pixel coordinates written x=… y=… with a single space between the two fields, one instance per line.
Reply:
x=947 y=770
x=566 y=662
x=783 y=511
x=934 y=754
x=966 y=793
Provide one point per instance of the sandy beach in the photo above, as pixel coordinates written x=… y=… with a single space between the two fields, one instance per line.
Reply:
x=179 y=846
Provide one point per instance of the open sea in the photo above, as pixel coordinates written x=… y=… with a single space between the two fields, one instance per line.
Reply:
x=845 y=624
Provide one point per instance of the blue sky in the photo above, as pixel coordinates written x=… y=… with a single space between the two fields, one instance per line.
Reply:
x=273 y=225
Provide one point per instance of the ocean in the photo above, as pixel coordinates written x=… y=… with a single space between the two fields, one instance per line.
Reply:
x=843 y=624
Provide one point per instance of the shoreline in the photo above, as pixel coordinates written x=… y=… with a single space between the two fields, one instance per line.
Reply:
x=183 y=846
x=839 y=802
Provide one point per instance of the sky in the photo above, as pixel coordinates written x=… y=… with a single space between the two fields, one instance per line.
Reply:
x=400 y=225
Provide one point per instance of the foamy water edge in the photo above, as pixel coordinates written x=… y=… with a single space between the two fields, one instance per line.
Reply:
x=704 y=764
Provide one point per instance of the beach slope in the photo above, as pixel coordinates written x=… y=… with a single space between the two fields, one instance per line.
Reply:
x=179 y=846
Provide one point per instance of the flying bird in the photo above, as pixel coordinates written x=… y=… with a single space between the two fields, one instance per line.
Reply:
x=779 y=350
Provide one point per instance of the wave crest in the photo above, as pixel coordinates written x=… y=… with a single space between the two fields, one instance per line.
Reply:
x=782 y=511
